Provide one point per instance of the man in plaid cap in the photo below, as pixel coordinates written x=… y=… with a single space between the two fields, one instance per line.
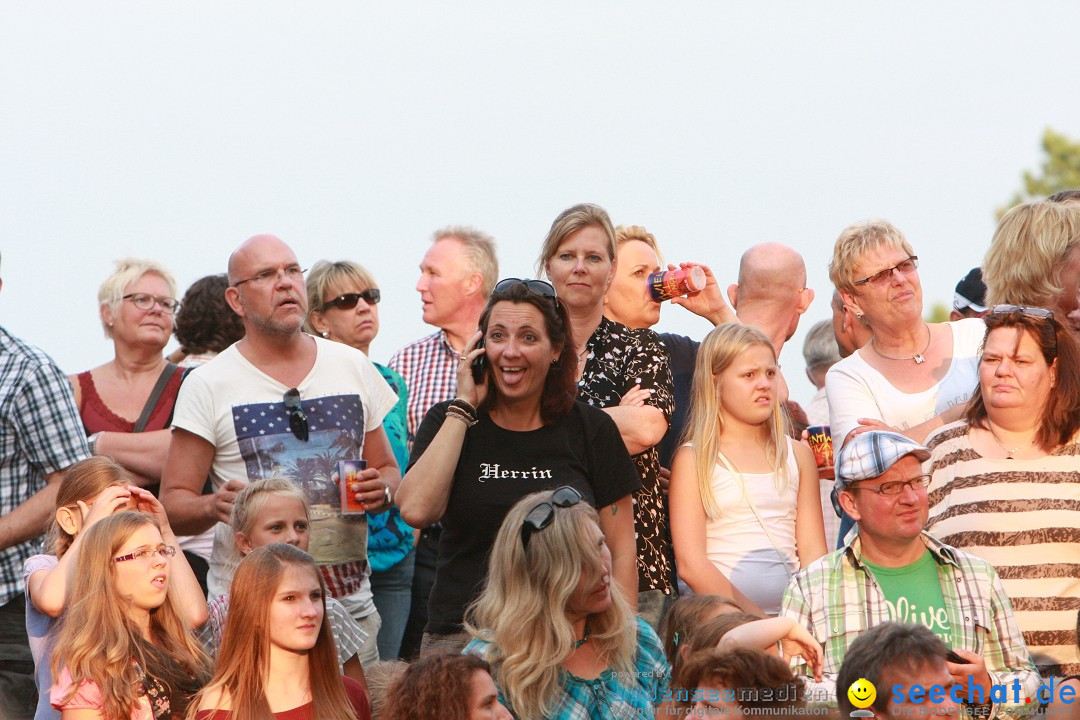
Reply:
x=890 y=570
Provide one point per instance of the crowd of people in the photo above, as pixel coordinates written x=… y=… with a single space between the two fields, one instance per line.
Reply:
x=545 y=509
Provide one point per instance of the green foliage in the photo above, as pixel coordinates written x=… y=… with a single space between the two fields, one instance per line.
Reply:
x=1060 y=171
x=939 y=312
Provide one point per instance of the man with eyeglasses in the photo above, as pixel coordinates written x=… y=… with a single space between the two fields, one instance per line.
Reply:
x=283 y=403
x=893 y=571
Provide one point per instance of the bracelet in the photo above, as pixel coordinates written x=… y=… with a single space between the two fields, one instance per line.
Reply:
x=455 y=412
x=465 y=407
x=92 y=443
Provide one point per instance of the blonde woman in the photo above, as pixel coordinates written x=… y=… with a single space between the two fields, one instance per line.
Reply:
x=124 y=649
x=561 y=643
x=745 y=507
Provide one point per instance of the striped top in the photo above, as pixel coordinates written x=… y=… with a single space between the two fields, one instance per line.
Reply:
x=1023 y=517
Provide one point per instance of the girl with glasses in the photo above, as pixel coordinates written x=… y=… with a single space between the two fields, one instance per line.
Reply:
x=1005 y=480
x=515 y=428
x=277 y=658
x=123 y=646
x=343 y=306
x=90 y=491
x=561 y=639
x=745 y=504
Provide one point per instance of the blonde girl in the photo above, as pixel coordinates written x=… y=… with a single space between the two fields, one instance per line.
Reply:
x=745 y=508
x=270 y=511
x=90 y=490
x=124 y=649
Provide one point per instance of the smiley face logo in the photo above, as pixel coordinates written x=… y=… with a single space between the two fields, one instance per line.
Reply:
x=862 y=693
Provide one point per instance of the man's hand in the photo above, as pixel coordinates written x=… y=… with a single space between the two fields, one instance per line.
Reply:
x=370 y=489
x=975 y=667
x=224 y=499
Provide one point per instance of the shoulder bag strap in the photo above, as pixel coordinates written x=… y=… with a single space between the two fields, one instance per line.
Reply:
x=155 y=395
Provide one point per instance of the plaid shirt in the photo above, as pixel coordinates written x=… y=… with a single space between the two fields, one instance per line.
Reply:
x=429 y=367
x=612 y=696
x=837 y=597
x=40 y=433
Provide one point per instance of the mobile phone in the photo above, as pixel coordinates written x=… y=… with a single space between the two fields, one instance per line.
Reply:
x=479 y=365
x=952 y=657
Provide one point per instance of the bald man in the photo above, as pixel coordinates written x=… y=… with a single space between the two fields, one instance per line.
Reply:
x=281 y=403
x=771 y=293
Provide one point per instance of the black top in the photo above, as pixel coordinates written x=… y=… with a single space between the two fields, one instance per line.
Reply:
x=620 y=358
x=682 y=355
x=498 y=467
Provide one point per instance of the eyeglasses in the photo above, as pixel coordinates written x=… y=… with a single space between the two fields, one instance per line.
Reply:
x=880 y=278
x=297 y=419
x=145 y=301
x=349 y=300
x=537 y=287
x=292 y=273
x=542 y=515
x=1040 y=313
x=895 y=487
x=165 y=551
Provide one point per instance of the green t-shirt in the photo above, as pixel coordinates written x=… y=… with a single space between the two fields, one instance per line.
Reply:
x=913 y=593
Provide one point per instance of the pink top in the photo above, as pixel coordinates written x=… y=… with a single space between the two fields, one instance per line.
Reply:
x=354 y=691
x=88 y=697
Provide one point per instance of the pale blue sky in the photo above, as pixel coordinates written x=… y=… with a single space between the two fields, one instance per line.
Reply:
x=352 y=130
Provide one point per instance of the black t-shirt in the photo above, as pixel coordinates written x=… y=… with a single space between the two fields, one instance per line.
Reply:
x=498 y=467
x=682 y=355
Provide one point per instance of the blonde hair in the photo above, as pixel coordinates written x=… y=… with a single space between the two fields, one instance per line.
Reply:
x=522 y=609
x=127 y=271
x=1030 y=246
x=705 y=422
x=855 y=241
x=249 y=502
x=325 y=275
x=96 y=640
x=479 y=249
x=84 y=480
x=569 y=222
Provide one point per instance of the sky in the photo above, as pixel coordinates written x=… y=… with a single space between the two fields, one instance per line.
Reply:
x=353 y=130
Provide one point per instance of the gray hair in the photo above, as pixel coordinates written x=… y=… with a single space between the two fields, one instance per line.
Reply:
x=819 y=347
x=479 y=249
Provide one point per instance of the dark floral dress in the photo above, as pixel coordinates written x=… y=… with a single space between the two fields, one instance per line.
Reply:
x=618 y=359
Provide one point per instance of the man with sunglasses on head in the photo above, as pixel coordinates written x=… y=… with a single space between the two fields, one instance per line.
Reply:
x=281 y=402
x=891 y=570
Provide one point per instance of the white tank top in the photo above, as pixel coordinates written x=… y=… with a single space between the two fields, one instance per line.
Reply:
x=736 y=543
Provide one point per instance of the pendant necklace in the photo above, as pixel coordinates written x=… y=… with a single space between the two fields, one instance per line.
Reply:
x=919 y=357
x=1008 y=453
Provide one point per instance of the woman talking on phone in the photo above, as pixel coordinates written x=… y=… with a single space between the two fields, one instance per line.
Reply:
x=515 y=428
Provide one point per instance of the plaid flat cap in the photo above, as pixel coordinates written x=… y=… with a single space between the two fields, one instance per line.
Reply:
x=870 y=454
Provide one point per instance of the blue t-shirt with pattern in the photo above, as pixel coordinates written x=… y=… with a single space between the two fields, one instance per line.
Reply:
x=389 y=538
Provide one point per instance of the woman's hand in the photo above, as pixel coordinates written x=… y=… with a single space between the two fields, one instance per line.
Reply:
x=708 y=302
x=866 y=425
x=636 y=396
x=467 y=389
x=109 y=501
x=146 y=502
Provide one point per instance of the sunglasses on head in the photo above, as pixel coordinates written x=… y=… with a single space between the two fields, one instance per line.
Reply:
x=298 y=421
x=541 y=515
x=349 y=300
x=536 y=287
x=1040 y=313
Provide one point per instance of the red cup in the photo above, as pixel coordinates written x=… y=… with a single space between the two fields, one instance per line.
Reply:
x=820 y=438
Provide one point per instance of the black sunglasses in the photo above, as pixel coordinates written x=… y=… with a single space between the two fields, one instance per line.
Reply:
x=297 y=419
x=542 y=515
x=348 y=301
x=537 y=287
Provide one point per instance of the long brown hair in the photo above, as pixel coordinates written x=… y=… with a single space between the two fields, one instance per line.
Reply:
x=1060 y=420
x=83 y=481
x=243 y=662
x=96 y=639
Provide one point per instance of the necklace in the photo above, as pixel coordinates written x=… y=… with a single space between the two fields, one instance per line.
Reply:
x=919 y=357
x=1008 y=453
x=583 y=354
x=584 y=639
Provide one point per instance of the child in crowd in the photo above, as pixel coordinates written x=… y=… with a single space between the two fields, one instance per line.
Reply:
x=90 y=490
x=745 y=506
x=274 y=510
x=124 y=647
x=684 y=617
x=446 y=686
x=277 y=657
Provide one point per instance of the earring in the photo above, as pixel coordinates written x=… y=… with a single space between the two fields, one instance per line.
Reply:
x=325 y=333
x=858 y=315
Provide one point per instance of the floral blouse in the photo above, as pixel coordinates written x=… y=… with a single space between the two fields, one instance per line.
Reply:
x=618 y=359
